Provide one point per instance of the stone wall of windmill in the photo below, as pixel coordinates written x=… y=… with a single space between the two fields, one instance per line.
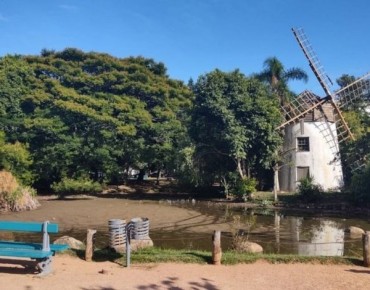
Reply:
x=312 y=147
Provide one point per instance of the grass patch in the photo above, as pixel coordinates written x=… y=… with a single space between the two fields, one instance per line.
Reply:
x=158 y=255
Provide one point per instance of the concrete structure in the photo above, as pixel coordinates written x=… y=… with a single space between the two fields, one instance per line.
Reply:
x=312 y=149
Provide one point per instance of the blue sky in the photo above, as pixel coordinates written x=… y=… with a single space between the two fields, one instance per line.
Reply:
x=193 y=37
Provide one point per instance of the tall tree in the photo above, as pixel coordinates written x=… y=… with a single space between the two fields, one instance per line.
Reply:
x=344 y=80
x=233 y=124
x=91 y=114
x=277 y=77
x=275 y=74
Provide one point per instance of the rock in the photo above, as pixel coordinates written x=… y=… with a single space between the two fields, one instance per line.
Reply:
x=71 y=242
x=355 y=231
x=141 y=244
x=135 y=245
x=249 y=247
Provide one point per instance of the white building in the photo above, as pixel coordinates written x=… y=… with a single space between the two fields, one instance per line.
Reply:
x=312 y=149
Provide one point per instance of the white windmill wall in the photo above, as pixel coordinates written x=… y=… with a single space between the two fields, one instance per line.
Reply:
x=319 y=159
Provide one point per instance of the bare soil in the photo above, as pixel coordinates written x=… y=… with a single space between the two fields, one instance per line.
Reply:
x=74 y=273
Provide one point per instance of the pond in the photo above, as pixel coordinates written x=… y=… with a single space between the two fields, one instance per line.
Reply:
x=189 y=224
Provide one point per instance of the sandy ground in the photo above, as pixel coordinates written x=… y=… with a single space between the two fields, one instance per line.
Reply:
x=74 y=273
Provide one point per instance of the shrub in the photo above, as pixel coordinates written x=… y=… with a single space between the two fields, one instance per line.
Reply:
x=241 y=187
x=360 y=186
x=76 y=186
x=308 y=190
x=16 y=159
x=14 y=196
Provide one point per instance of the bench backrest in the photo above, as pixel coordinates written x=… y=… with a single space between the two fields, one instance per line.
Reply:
x=13 y=226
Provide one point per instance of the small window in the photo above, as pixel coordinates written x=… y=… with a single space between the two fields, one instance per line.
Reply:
x=303 y=144
x=302 y=172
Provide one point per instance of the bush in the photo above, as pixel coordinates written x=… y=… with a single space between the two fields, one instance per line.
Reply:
x=308 y=190
x=76 y=186
x=14 y=196
x=16 y=159
x=241 y=187
x=360 y=186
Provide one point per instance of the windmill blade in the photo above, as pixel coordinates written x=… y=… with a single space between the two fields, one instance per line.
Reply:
x=299 y=107
x=343 y=131
x=313 y=60
x=356 y=93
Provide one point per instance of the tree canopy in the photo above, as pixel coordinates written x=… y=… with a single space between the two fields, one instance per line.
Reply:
x=233 y=124
x=277 y=77
x=91 y=114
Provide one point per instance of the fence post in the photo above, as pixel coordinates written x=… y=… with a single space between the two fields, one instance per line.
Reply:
x=217 y=251
x=89 y=245
x=128 y=244
x=366 y=247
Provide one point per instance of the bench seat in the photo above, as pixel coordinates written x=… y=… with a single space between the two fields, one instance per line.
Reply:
x=34 y=246
x=25 y=253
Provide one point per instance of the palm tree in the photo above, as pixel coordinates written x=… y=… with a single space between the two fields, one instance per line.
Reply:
x=277 y=77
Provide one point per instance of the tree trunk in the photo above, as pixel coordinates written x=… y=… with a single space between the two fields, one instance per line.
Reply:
x=158 y=176
x=240 y=170
x=141 y=175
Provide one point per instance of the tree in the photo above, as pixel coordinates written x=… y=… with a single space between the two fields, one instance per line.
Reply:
x=16 y=159
x=233 y=125
x=91 y=115
x=344 y=80
x=355 y=112
x=277 y=77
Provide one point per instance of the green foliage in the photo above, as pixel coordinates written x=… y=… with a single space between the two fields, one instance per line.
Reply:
x=308 y=190
x=277 y=77
x=245 y=186
x=233 y=125
x=83 y=113
x=16 y=159
x=344 y=80
x=360 y=186
x=76 y=186
x=241 y=187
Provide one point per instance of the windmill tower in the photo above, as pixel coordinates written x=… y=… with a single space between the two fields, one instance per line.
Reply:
x=315 y=127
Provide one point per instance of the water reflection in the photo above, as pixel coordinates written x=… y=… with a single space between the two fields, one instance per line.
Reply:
x=302 y=235
x=326 y=239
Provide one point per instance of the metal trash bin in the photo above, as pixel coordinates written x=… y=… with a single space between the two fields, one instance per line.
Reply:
x=140 y=228
x=117 y=233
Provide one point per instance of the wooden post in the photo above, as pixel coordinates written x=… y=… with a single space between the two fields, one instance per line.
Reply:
x=89 y=245
x=128 y=245
x=217 y=251
x=366 y=246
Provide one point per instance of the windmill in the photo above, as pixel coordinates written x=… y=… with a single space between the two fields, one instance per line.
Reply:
x=315 y=126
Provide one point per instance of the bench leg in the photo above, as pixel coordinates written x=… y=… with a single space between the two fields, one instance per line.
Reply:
x=44 y=266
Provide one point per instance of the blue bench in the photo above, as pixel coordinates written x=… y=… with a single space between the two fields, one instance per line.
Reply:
x=39 y=254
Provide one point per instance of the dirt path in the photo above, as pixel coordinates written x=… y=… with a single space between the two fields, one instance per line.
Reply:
x=73 y=273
